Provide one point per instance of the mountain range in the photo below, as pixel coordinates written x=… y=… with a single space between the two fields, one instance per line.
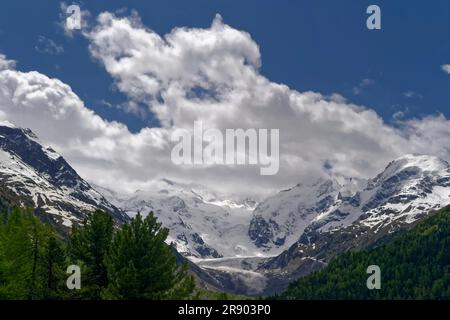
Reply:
x=232 y=242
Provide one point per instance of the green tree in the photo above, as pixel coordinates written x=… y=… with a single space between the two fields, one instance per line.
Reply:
x=88 y=246
x=142 y=266
x=24 y=239
x=415 y=265
x=54 y=275
x=3 y=261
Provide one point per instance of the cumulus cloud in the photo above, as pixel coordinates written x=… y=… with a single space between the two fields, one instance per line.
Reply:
x=210 y=75
x=94 y=146
x=163 y=71
x=430 y=135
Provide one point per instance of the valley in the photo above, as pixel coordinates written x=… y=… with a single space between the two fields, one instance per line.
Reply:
x=234 y=243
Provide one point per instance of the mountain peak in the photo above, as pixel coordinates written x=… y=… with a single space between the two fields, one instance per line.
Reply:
x=8 y=127
x=424 y=163
x=39 y=177
x=6 y=123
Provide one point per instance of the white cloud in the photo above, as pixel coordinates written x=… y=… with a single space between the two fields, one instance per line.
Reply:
x=430 y=135
x=48 y=46
x=94 y=146
x=147 y=67
x=5 y=63
x=211 y=75
x=412 y=95
x=446 y=68
x=357 y=90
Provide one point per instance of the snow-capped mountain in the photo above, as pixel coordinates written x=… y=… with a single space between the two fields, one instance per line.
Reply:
x=279 y=220
x=204 y=224
x=201 y=223
x=37 y=176
x=408 y=187
x=248 y=248
x=261 y=246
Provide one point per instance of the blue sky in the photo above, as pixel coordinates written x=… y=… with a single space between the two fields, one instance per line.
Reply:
x=321 y=46
x=309 y=45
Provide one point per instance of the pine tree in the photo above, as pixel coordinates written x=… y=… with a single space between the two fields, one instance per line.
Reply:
x=3 y=261
x=415 y=265
x=88 y=246
x=24 y=239
x=53 y=272
x=142 y=266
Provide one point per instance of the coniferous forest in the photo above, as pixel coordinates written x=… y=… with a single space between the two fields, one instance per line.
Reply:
x=132 y=262
x=416 y=265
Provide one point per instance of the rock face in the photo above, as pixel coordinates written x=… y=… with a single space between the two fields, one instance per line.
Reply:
x=409 y=189
x=37 y=176
x=201 y=224
x=257 y=248
x=295 y=232
x=281 y=219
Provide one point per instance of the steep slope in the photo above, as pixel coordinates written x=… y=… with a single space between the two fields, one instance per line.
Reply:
x=201 y=223
x=279 y=220
x=37 y=176
x=416 y=265
x=407 y=187
x=307 y=225
x=403 y=194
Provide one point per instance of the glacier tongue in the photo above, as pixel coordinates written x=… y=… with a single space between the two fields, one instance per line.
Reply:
x=233 y=237
x=205 y=224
